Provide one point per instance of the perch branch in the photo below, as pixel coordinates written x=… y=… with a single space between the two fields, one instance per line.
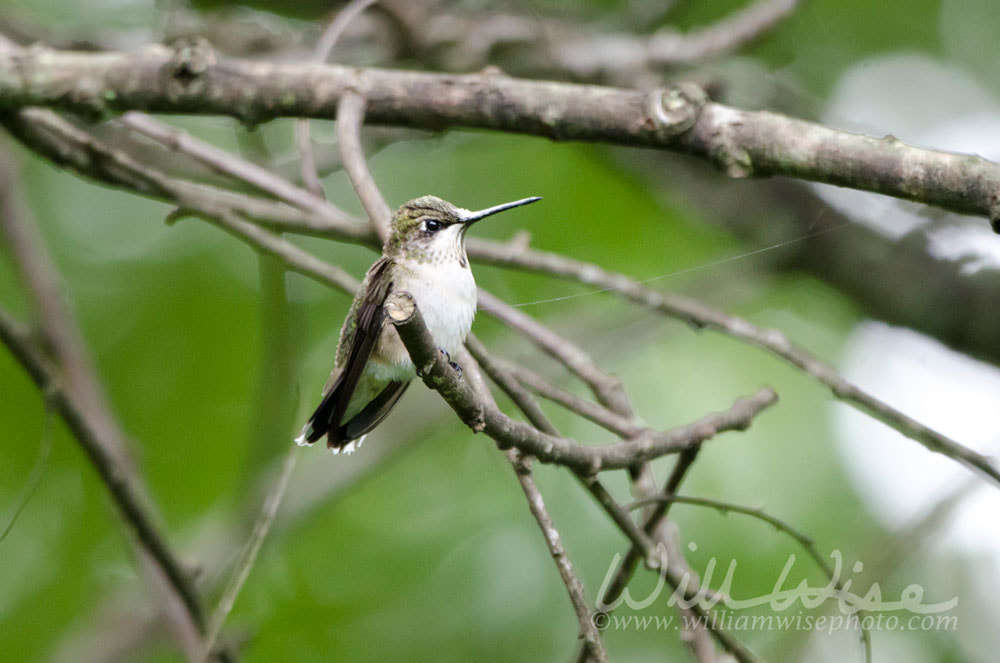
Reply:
x=441 y=377
x=438 y=375
x=771 y=340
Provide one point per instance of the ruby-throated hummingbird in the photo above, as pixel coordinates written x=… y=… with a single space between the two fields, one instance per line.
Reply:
x=424 y=255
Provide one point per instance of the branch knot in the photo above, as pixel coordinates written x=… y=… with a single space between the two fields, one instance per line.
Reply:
x=190 y=60
x=674 y=110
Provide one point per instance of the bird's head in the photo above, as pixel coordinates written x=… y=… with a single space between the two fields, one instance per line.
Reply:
x=431 y=229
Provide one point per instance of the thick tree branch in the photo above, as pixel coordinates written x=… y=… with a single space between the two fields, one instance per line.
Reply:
x=742 y=143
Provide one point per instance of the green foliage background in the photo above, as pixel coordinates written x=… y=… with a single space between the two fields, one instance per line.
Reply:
x=431 y=554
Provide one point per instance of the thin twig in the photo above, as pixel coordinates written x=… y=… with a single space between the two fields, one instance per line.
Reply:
x=732 y=32
x=230 y=165
x=242 y=571
x=297 y=259
x=588 y=631
x=607 y=388
x=37 y=470
x=350 y=117
x=57 y=324
x=594 y=412
x=203 y=203
x=801 y=538
x=324 y=48
x=119 y=483
x=547 y=47
x=627 y=566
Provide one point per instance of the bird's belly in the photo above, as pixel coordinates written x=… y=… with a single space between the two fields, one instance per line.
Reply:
x=446 y=298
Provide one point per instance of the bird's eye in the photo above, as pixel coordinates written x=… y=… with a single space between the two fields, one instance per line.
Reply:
x=432 y=225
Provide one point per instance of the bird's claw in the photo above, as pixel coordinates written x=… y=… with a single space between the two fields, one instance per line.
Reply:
x=447 y=358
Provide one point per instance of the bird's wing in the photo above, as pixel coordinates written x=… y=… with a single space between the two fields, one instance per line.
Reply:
x=370 y=315
x=367 y=316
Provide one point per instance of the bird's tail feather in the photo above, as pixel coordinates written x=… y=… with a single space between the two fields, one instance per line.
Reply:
x=341 y=436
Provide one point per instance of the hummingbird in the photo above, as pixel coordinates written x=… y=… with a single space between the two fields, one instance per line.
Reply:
x=423 y=255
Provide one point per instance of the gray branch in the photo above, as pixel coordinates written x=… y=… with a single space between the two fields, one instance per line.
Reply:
x=484 y=417
x=680 y=118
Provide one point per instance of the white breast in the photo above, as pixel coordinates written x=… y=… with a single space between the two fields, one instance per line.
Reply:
x=445 y=293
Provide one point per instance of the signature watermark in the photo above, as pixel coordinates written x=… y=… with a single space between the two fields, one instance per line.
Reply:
x=864 y=608
x=730 y=621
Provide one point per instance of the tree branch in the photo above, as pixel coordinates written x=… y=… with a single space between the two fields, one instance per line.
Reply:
x=76 y=393
x=598 y=414
x=589 y=633
x=69 y=145
x=481 y=417
x=680 y=118
x=350 y=117
x=239 y=169
x=323 y=49
x=640 y=538
x=124 y=493
x=249 y=555
x=771 y=340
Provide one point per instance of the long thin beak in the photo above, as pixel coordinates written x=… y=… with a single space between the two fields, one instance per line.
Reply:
x=469 y=218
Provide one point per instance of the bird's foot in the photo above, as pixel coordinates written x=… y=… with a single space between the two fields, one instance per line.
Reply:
x=447 y=358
